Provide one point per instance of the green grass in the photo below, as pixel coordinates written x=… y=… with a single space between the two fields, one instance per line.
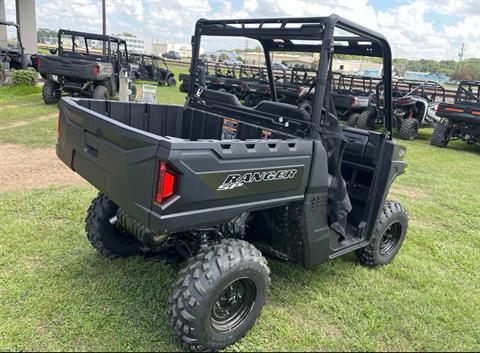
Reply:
x=165 y=94
x=57 y=293
x=22 y=103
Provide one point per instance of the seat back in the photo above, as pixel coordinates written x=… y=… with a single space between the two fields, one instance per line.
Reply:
x=283 y=109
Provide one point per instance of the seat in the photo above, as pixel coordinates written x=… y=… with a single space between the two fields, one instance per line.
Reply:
x=283 y=109
x=220 y=96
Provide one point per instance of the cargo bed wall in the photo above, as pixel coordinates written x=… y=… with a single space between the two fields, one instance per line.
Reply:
x=175 y=121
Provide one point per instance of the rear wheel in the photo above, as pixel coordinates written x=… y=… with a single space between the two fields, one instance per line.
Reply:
x=366 y=120
x=219 y=295
x=171 y=81
x=51 y=92
x=101 y=92
x=441 y=135
x=409 y=129
x=104 y=234
x=388 y=236
x=352 y=120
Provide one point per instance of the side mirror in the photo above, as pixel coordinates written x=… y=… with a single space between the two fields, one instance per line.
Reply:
x=53 y=51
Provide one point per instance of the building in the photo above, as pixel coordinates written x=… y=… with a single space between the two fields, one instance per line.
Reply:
x=158 y=48
x=290 y=60
x=134 y=44
x=359 y=67
x=426 y=76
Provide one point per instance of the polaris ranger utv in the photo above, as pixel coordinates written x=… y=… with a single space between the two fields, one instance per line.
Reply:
x=461 y=120
x=81 y=67
x=151 y=68
x=218 y=182
x=352 y=96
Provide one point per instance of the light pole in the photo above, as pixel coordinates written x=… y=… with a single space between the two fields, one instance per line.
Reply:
x=104 y=24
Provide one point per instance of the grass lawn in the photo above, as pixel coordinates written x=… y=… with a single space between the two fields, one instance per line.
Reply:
x=57 y=293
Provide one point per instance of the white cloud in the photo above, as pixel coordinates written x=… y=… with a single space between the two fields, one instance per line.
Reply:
x=408 y=26
x=250 y=5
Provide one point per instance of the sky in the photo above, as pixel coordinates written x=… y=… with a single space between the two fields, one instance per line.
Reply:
x=416 y=29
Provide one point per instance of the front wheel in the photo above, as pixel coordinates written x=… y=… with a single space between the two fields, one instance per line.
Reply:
x=101 y=92
x=51 y=92
x=388 y=236
x=219 y=295
x=409 y=129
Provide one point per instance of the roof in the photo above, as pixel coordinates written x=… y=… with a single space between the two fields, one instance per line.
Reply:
x=300 y=34
x=94 y=36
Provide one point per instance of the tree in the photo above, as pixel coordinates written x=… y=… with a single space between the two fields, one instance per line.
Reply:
x=46 y=32
x=223 y=57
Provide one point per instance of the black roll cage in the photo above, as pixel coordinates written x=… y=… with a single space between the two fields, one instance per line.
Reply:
x=93 y=36
x=466 y=95
x=282 y=34
x=17 y=27
x=155 y=59
x=422 y=88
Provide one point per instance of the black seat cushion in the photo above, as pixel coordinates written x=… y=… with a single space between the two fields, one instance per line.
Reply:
x=220 y=96
x=283 y=109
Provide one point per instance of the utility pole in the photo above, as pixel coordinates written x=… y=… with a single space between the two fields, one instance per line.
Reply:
x=460 y=55
x=104 y=25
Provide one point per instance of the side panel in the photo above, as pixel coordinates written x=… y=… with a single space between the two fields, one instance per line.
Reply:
x=221 y=179
x=73 y=67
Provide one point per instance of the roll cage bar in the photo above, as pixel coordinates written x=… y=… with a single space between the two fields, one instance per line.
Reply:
x=141 y=58
x=17 y=27
x=466 y=94
x=293 y=34
x=93 y=36
x=422 y=88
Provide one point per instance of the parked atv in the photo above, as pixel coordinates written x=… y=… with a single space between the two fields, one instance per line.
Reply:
x=352 y=96
x=417 y=108
x=460 y=120
x=12 y=52
x=218 y=183
x=151 y=68
x=81 y=68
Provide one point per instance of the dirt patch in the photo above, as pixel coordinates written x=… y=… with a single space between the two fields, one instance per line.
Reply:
x=29 y=168
x=408 y=191
x=26 y=122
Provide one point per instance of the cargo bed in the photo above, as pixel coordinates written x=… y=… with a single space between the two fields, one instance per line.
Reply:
x=117 y=147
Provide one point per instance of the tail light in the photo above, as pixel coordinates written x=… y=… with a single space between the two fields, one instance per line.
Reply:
x=96 y=70
x=37 y=63
x=167 y=182
x=353 y=101
x=455 y=110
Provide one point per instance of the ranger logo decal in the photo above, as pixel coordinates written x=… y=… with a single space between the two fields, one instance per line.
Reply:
x=233 y=181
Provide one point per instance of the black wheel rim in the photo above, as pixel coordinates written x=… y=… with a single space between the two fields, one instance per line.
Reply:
x=233 y=305
x=390 y=239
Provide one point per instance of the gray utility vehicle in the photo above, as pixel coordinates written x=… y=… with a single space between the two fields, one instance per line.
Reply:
x=460 y=120
x=218 y=182
x=12 y=53
x=151 y=68
x=81 y=67
x=416 y=108
x=352 y=96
